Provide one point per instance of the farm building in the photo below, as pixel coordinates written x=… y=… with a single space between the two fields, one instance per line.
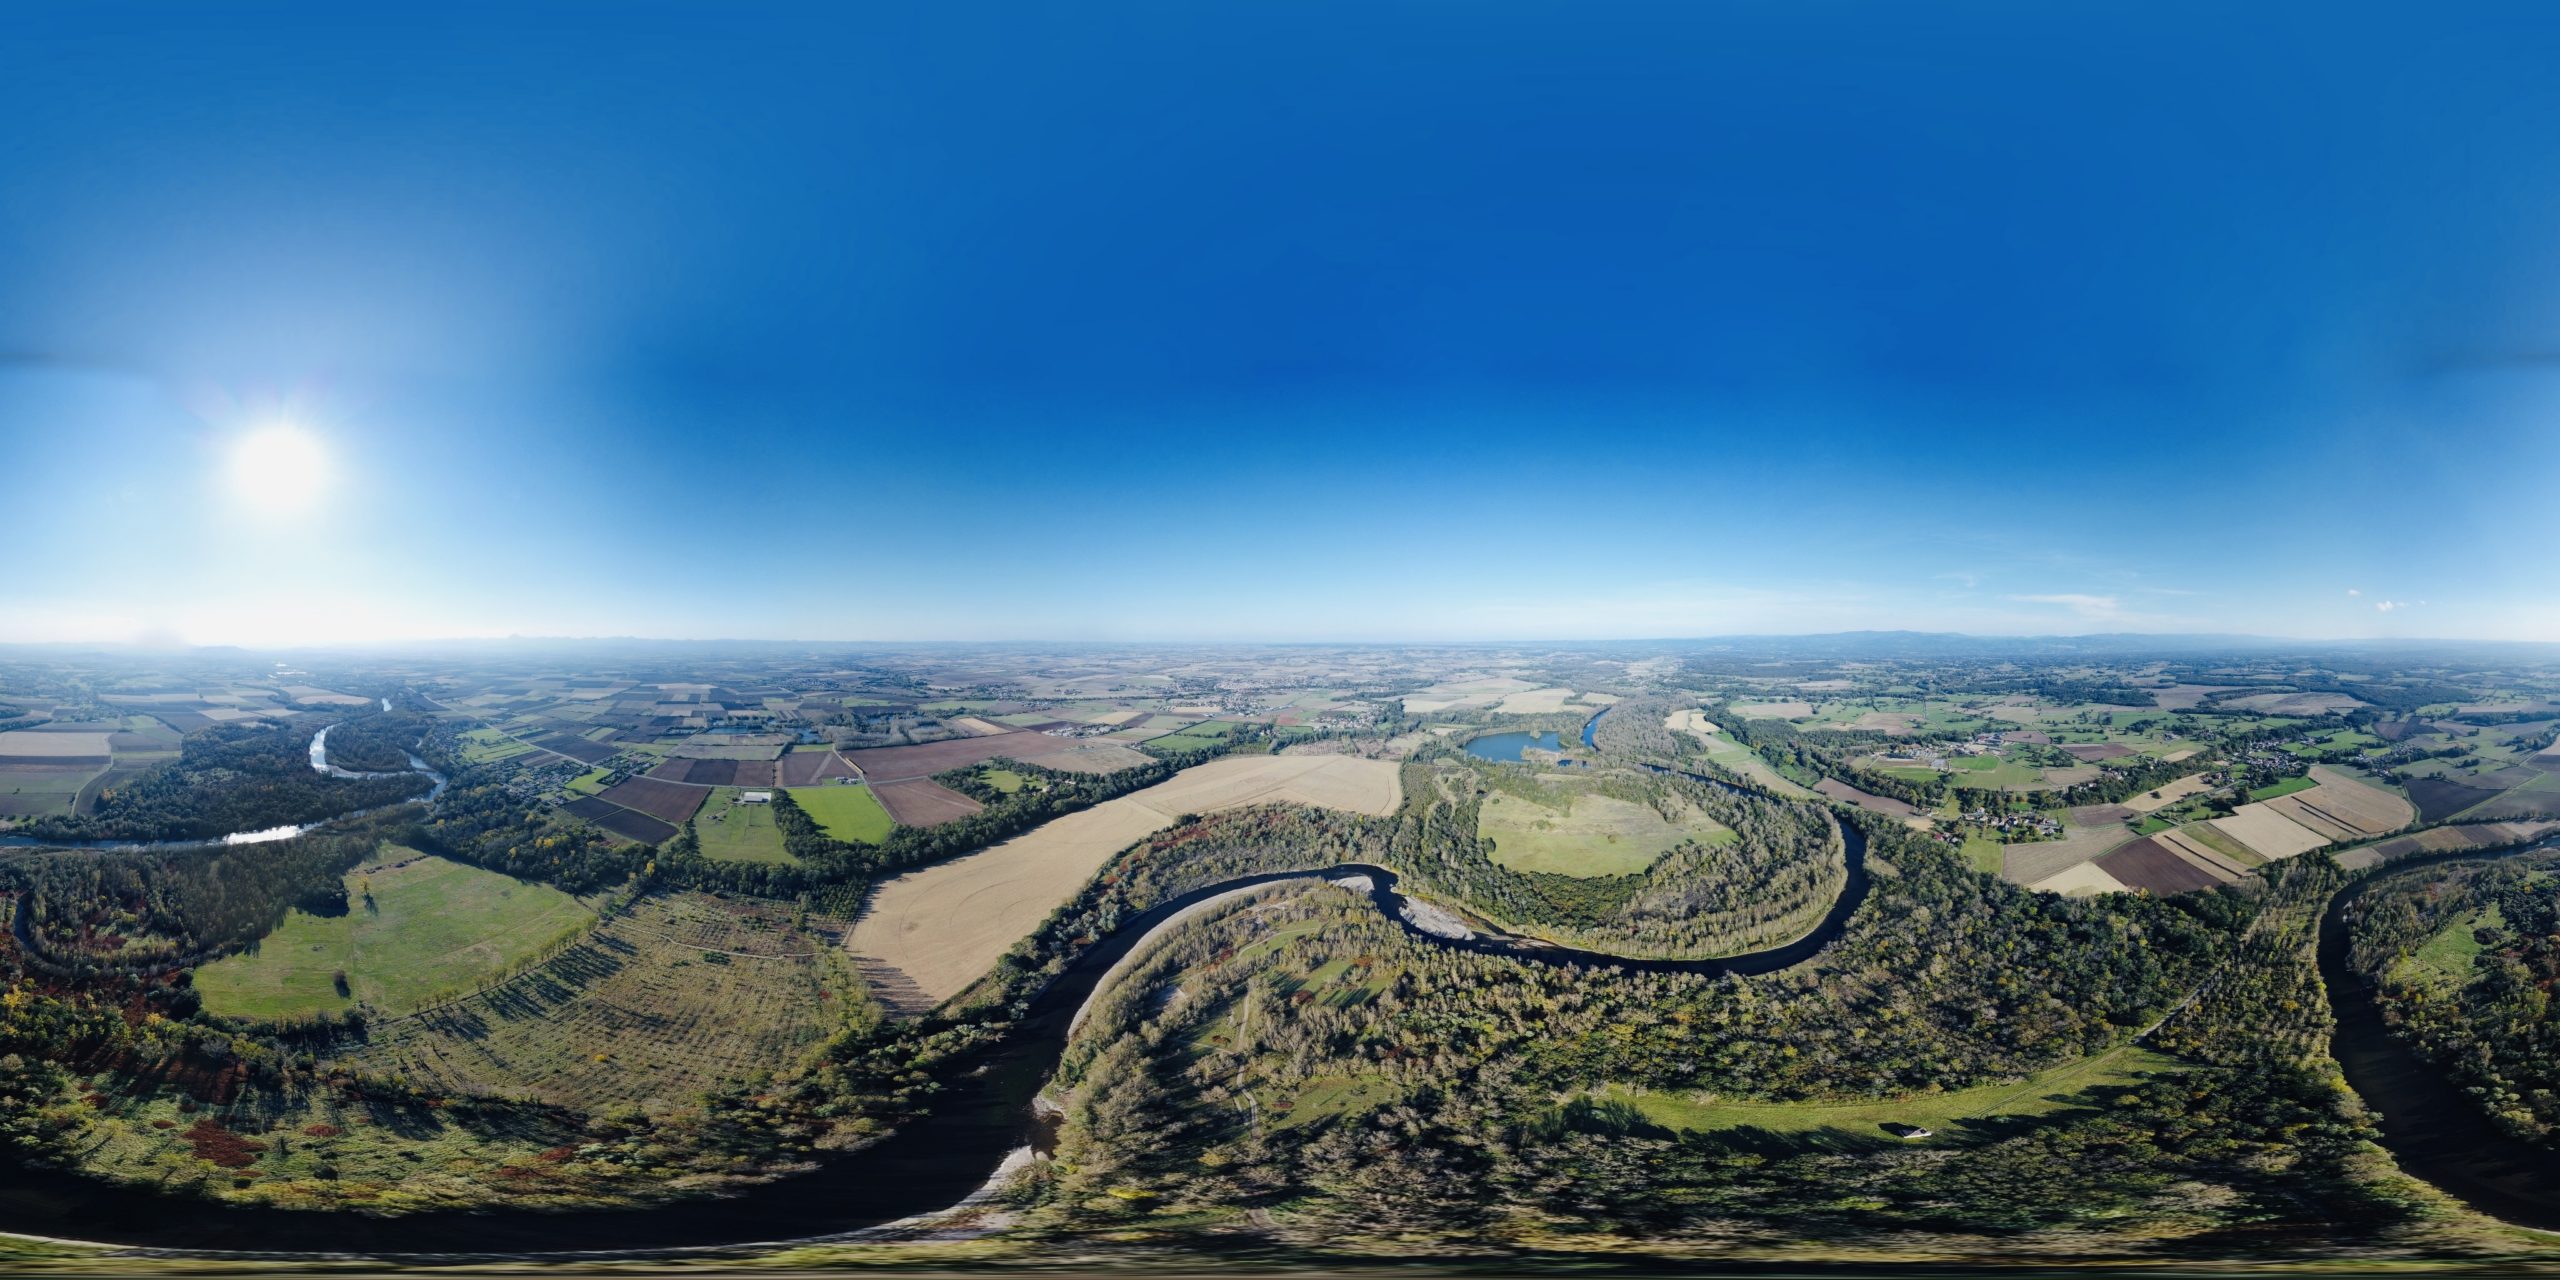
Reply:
x=755 y=797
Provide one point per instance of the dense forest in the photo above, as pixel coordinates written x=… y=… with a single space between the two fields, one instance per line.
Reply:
x=376 y=741
x=1366 y=1089
x=139 y=910
x=2467 y=962
x=228 y=779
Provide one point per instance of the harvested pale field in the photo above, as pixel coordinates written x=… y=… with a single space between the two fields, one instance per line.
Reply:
x=2181 y=754
x=2181 y=697
x=1690 y=720
x=2168 y=795
x=923 y=802
x=2090 y=752
x=2312 y=819
x=24 y=744
x=2356 y=803
x=1774 y=710
x=931 y=933
x=2034 y=861
x=1096 y=757
x=2079 y=880
x=977 y=728
x=2268 y=832
x=1535 y=702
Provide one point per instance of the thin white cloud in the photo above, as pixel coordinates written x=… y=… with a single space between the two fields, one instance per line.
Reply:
x=2355 y=591
x=2392 y=606
x=2087 y=606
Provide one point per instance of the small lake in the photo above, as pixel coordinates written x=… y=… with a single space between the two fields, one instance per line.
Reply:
x=1506 y=747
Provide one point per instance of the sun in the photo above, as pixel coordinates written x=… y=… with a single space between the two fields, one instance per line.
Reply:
x=279 y=468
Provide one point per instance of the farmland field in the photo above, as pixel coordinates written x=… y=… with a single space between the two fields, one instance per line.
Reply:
x=929 y=934
x=417 y=928
x=2268 y=832
x=618 y=820
x=923 y=802
x=38 y=790
x=669 y=802
x=1597 y=836
x=737 y=832
x=675 y=995
x=847 y=811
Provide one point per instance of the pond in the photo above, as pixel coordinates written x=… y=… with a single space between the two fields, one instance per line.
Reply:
x=1506 y=747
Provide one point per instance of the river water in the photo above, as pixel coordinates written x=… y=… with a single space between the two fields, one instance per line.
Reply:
x=925 y=1165
x=319 y=761
x=2433 y=1128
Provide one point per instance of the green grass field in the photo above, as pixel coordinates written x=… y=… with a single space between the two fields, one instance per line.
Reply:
x=589 y=783
x=431 y=928
x=1983 y=853
x=734 y=832
x=480 y=746
x=1598 y=836
x=2446 y=957
x=1178 y=742
x=845 y=811
x=2040 y=1094
x=2285 y=788
x=1004 y=780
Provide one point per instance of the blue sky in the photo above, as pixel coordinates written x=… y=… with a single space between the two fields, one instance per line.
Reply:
x=1304 y=321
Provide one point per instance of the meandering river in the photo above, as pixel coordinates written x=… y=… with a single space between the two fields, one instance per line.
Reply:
x=928 y=1164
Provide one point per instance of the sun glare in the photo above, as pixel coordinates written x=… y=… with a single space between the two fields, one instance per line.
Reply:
x=279 y=468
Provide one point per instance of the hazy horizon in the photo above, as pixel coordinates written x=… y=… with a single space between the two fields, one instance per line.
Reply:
x=1261 y=324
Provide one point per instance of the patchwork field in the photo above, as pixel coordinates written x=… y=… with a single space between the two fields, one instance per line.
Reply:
x=620 y=821
x=676 y=995
x=890 y=764
x=1774 y=710
x=929 y=934
x=669 y=802
x=1596 y=836
x=2170 y=794
x=2268 y=832
x=923 y=802
x=418 y=928
x=2161 y=868
x=845 y=811
x=21 y=746
x=2080 y=880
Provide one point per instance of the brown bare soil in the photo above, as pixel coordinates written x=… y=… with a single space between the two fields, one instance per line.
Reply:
x=666 y=801
x=889 y=764
x=2147 y=864
x=2087 y=752
x=1838 y=790
x=923 y=802
x=620 y=821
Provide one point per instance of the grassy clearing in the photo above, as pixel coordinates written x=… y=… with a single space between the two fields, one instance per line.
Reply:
x=2040 y=1094
x=2285 y=787
x=1004 y=780
x=1597 y=836
x=1983 y=853
x=737 y=832
x=2446 y=957
x=481 y=746
x=847 y=811
x=589 y=783
x=418 y=929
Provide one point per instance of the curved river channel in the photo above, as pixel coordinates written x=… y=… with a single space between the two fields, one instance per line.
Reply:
x=2434 y=1130
x=926 y=1165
